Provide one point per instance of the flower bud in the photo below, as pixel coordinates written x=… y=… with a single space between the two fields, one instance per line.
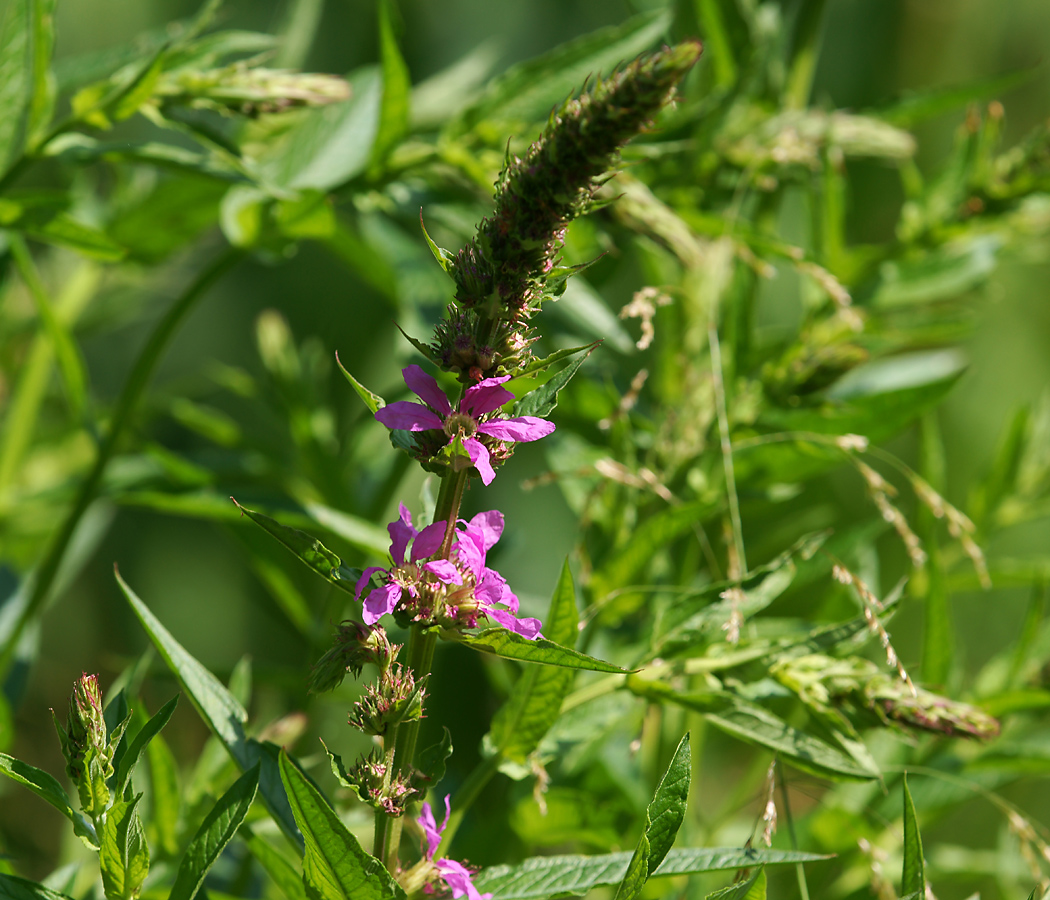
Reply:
x=396 y=698
x=369 y=779
x=355 y=644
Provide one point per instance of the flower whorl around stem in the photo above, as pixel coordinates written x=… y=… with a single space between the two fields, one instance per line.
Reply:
x=504 y=274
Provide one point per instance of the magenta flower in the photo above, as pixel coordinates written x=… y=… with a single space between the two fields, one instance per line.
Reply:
x=472 y=417
x=453 y=592
x=454 y=874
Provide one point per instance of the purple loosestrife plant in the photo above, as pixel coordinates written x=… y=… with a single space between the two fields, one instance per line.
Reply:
x=438 y=580
x=473 y=420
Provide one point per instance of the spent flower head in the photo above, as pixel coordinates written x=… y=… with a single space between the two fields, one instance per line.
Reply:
x=456 y=592
x=355 y=644
x=474 y=425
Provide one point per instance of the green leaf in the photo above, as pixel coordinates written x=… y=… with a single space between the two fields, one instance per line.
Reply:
x=46 y=787
x=587 y=313
x=146 y=734
x=913 y=874
x=330 y=145
x=215 y=832
x=552 y=876
x=123 y=854
x=393 y=110
x=755 y=725
x=526 y=92
x=752 y=888
x=15 y=87
x=541 y=402
x=663 y=818
x=373 y=401
x=431 y=761
x=943 y=273
x=445 y=258
x=165 y=796
x=221 y=711
x=335 y=866
x=308 y=549
x=535 y=703
x=282 y=871
x=63 y=230
x=15 y=888
x=511 y=645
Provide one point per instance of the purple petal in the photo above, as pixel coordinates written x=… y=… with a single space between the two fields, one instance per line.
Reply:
x=489 y=525
x=428 y=541
x=493 y=589
x=523 y=428
x=405 y=416
x=479 y=455
x=444 y=570
x=426 y=388
x=485 y=396
x=430 y=829
x=401 y=532
x=457 y=877
x=380 y=602
x=364 y=579
x=469 y=552
x=527 y=628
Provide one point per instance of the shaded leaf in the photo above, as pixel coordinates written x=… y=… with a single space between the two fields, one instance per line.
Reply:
x=282 y=871
x=46 y=787
x=308 y=549
x=150 y=730
x=14 y=888
x=751 y=888
x=393 y=110
x=542 y=400
x=215 y=832
x=372 y=400
x=913 y=873
x=221 y=711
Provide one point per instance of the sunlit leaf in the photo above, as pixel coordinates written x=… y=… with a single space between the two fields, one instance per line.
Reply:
x=511 y=645
x=335 y=866
x=913 y=877
x=46 y=787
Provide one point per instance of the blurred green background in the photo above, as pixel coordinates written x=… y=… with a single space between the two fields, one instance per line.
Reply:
x=191 y=572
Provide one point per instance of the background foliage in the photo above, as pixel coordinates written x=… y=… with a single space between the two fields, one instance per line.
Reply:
x=247 y=402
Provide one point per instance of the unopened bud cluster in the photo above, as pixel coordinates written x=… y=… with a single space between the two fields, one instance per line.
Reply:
x=382 y=789
x=510 y=267
x=250 y=91
x=395 y=698
x=87 y=747
x=838 y=685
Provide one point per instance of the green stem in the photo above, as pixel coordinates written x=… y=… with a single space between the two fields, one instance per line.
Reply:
x=804 y=53
x=381 y=847
x=132 y=391
x=465 y=797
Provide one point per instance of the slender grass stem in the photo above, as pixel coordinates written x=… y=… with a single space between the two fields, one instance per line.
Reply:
x=131 y=393
x=727 y=447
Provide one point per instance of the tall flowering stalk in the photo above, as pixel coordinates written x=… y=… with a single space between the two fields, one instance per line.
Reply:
x=438 y=579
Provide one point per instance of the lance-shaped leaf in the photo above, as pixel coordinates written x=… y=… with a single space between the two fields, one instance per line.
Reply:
x=130 y=759
x=123 y=854
x=751 y=888
x=445 y=258
x=281 y=870
x=432 y=760
x=221 y=711
x=14 y=888
x=542 y=401
x=559 y=876
x=370 y=399
x=754 y=724
x=335 y=867
x=663 y=818
x=308 y=549
x=535 y=703
x=510 y=645
x=913 y=874
x=215 y=832
x=46 y=787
